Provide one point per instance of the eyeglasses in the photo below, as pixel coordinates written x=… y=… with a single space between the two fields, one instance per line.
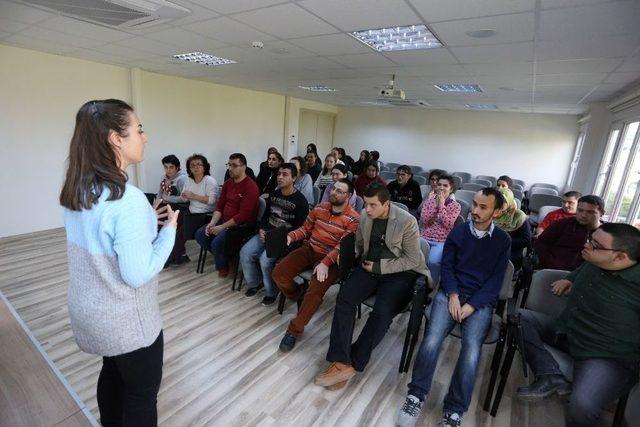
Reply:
x=233 y=165
x=597 y=247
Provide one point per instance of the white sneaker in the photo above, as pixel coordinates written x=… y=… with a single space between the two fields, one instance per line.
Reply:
x=451 y=419
x=409 y=413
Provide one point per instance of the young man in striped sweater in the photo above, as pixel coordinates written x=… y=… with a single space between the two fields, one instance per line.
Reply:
x=321 y=232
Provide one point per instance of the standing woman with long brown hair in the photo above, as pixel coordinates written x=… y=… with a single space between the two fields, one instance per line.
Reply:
x=115 y=253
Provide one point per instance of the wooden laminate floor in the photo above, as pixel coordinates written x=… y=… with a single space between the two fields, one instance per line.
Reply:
x=222 y=366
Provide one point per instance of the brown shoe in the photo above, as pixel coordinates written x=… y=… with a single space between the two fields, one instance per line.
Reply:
x=223 y=272
x=336 y=373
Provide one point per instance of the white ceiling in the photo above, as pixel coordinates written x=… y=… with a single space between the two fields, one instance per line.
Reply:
x=553 y=56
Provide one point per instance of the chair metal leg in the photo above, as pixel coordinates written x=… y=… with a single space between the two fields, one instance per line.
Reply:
x=412 y=347
x=241 y=279
x=201 y=260
x=405 y=349
x=618 y=418
x=495 y=366
x=281 y=301
x=235 y=274
x=504 y=375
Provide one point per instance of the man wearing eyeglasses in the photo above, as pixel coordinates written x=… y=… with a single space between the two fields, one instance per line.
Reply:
x=321 y=232
x=405 y=189
x=599 y=328
x=559 y=246
x=238 y=204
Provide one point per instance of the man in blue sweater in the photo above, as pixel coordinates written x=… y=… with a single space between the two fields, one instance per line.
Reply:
x=474 y=261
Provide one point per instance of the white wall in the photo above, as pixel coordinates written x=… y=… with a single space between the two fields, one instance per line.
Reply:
x=39 y=97
x=532 y=147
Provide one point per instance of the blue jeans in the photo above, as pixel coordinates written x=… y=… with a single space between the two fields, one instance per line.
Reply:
x=435 y=257
x=256 y=266
x=215 y=244
x=474 y=331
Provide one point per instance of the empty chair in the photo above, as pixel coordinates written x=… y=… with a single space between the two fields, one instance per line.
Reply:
x=416 y=169
x=464 y=176
x=543 y=190
x=491 y=179
x=544 y=211
x=465 y=208
x=483 y=182
x=518 y=194
x=519 y=182
x=384 y=168
x=515 y=186
x=472 y=186
x=420 y=179
x=401 y=206
x=545 y=185
x=359 y=204
x=392 y=166
x=465 y=195
x=317 y=194
x=424 y=189
x=388 y=175
x=536 y=201
x=457 y=181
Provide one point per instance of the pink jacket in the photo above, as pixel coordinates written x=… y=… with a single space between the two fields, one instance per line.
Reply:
x=436 y=222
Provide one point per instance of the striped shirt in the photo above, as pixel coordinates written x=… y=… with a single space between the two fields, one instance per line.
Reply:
x=324 y=229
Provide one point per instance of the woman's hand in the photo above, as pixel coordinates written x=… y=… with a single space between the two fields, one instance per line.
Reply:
x=187 y=195
x=164 y=214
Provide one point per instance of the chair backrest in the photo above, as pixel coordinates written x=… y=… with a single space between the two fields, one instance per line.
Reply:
x=464 y=176
x=459 y=220
x=483 y=182
x=384 y=168
x=492 y=179
x=472 y=186
x=520 y=182
x=457 y=181
x=543 y=190
x=544 y=211
x=392 y=166
x=350 y=175
x=420 y=179
x=536 y=201
x=262 y=206
x=518 y=203
x=540 y=297
x=518 y=194
x=545 y=185
x=416 y=169
x=518 y=187
x=401 y=206
x=465 y=207
x=388 y=175
x=424 y=189
x=359 y=204
x=506 y=290
x=466 y=195
x=317 y=194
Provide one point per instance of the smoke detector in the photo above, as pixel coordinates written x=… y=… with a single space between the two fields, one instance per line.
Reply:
x=257 y=44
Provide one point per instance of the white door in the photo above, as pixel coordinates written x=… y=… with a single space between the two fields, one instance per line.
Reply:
x=316 y=128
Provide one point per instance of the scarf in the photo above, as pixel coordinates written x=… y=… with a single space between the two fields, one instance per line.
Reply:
x=511 y=218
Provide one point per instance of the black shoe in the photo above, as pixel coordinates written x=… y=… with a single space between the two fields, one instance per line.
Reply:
x=183 y=259
x=252 y=291
x=288 y=342
x=267 y=300
x=168 y=263
x=544 y=386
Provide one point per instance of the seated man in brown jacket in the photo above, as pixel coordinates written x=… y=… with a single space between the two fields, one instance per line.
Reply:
x=388 y=241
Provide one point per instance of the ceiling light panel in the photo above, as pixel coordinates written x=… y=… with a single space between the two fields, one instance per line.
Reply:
x=203 y=58
x=317 y=88
x=458 y=87
x=409 y=37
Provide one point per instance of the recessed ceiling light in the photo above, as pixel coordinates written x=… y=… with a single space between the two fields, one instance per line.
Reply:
x=203 y=58
x=407 y=37
x=317 y=88
x=481 y=106
x=459 y=87
x=482 y=34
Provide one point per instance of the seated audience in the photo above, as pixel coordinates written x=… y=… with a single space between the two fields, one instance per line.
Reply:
x=264 y=165
x=325 y=177
x=437 y=219
x=173 y=180
x=568 y=210
x=375 y=157
x=337 y=173
x=267 y=179
x=369 y=176
x=238 y=205
x=348 y=160
x=388 y=241
x=504 y=182
x=358 y=167
x=514 y=222
x=303 y=182
x=286 y=207
x=201 y=189
x=599 y=328
x=560 y=246
x=336 y=153
x=434 y=177
x=475 y=258
x=249 y=173
x=322 y=231
x=404 y=189
x=314 y=165
x=311 y=148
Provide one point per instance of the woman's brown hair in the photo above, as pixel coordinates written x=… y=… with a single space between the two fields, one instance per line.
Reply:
x=92 y=161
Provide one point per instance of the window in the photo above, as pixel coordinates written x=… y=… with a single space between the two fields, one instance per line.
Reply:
x=605 y=167
x=576 y=154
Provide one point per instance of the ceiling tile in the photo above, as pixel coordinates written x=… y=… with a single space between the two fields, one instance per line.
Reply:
x=604 y=65
x=623 y=78
x=332 y=44
x=283 y=49
x=79 y=28
x=512 y=52
x=21 y=13
x=11 y=26
x=555 y=4
x=630 y=64
x=198 y=13
x=578 y=47
x=285 y=21
x=601 y=20
x=509 y=29
x=39 y=44
x=233 y=6
x=362 y=60
x=565 y=79
x=54 y=37
x=502 y=68
x=123 y=51
x=355 y=15
x=186 y=39
x=228 y=31
x=434 y=11
x=105 y=58
x=421 y=57
x=149 y=46
x=427 y=70
x=4 y=34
